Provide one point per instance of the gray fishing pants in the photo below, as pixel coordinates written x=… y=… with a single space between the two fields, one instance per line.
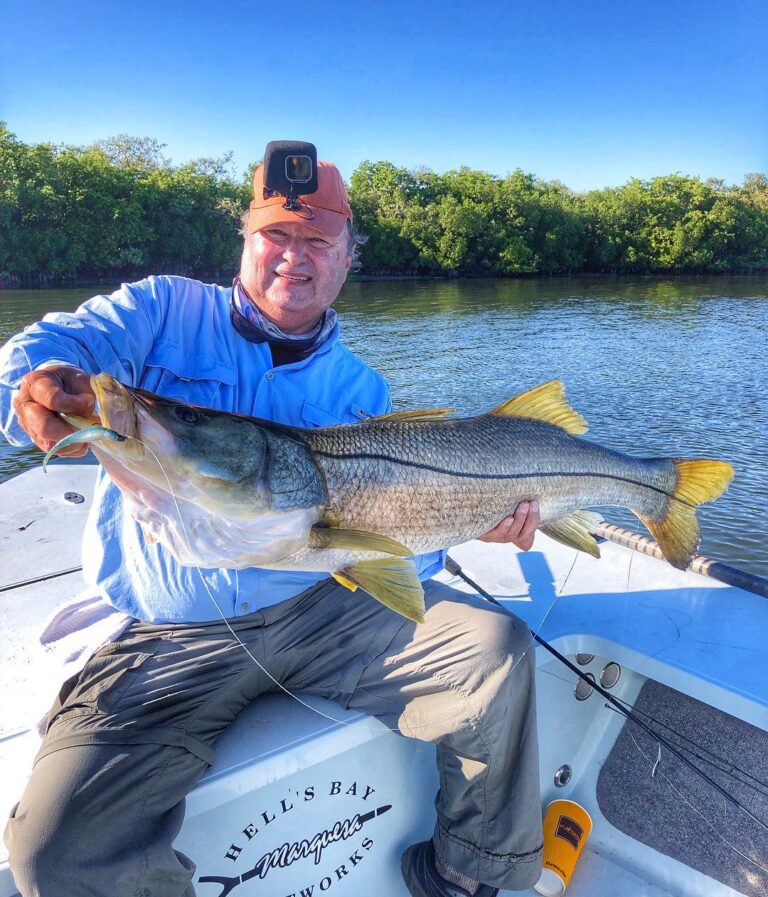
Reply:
x=132 y=734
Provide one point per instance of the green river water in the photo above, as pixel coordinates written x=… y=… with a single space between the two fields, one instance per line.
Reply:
x=675 y=367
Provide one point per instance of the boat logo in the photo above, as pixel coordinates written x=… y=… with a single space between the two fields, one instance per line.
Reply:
x=312 y=847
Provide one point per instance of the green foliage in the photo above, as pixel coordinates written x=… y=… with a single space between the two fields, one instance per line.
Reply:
x=678 y=223
x=380 y=196
x=471 y=222
x=120 y=207
x=117 y=207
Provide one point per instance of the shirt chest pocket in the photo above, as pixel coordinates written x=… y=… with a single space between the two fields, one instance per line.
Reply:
x=197 y=379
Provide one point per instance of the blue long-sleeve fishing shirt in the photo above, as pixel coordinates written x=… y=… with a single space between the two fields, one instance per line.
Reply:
x=173 y=336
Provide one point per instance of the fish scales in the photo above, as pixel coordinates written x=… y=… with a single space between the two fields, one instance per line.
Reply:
x=429 y=484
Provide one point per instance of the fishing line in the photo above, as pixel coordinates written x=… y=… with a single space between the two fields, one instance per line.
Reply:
x=626 y=596
x=629 y=714
x=454 y=569
x=737 y=773
x=629 y=577
x=235 y=636
x=695 y=809
x=657 y=763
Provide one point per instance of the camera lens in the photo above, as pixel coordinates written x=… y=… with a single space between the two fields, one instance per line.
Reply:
x=298 y=169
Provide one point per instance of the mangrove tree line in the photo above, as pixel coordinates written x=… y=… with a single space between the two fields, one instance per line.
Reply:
x=120 y=208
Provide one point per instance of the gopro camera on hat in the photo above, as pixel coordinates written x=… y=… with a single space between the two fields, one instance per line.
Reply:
x=292 y=185
x=290 y=170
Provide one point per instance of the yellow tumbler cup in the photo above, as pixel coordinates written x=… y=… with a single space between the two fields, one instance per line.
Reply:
x=566 y=828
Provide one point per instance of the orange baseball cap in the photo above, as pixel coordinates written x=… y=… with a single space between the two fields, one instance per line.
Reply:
x=326 y=210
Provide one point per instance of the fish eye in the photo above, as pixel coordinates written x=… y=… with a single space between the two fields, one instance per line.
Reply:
x=187 y=414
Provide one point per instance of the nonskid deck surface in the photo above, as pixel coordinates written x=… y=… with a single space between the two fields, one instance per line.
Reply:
x=692 y=634
x=675 y=811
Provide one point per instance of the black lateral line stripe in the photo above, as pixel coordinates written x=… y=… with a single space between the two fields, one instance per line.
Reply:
x=499 y=476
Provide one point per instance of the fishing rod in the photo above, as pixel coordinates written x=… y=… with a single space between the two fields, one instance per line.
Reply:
x=453 y=568
x=43 y=578
x=731 y=576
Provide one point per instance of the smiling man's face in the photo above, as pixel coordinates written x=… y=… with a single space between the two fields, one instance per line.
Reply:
x=293 y=273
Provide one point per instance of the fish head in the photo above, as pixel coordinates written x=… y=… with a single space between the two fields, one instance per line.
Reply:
x=227 y=463
x=216 y=459
x=199 y=440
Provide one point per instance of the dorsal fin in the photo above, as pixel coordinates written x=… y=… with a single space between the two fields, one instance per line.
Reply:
x=545 y=403
x=412 y=415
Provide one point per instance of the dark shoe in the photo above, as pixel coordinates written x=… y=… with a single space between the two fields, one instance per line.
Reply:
x=422 y=879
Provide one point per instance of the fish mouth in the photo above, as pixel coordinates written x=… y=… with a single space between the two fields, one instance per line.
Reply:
x=116 y=410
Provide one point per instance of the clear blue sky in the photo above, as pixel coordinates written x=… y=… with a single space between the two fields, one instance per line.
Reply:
x=588 y=91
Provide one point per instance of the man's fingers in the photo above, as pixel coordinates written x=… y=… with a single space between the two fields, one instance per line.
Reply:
x=531 y=523
x=507 y=530
x=60 y=389
x=499 y=532
x=519 y=529
x=45 y=427
x=43 y=394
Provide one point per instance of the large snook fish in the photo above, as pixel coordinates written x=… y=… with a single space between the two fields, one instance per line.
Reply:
x=224 y=490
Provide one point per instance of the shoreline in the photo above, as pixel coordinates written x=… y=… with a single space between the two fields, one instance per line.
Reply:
x=575 y=275
x=70 y=284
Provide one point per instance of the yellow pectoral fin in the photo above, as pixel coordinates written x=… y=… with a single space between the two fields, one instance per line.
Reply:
x=576 y=531
x=393 y=582
x=330 y=537
x=546 y=403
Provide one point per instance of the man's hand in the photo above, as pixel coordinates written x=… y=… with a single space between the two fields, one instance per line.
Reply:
x=519 y=529
x=42 y=393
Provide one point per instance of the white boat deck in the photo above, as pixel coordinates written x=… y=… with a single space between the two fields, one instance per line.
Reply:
x=688 y=632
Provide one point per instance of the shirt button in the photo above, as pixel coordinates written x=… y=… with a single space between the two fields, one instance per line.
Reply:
x=245 y=607
x=270 y=376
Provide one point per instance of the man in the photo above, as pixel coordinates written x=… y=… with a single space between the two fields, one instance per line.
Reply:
x=106 y=798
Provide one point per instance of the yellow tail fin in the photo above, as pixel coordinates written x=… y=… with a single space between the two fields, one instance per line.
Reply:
x=678 y=531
